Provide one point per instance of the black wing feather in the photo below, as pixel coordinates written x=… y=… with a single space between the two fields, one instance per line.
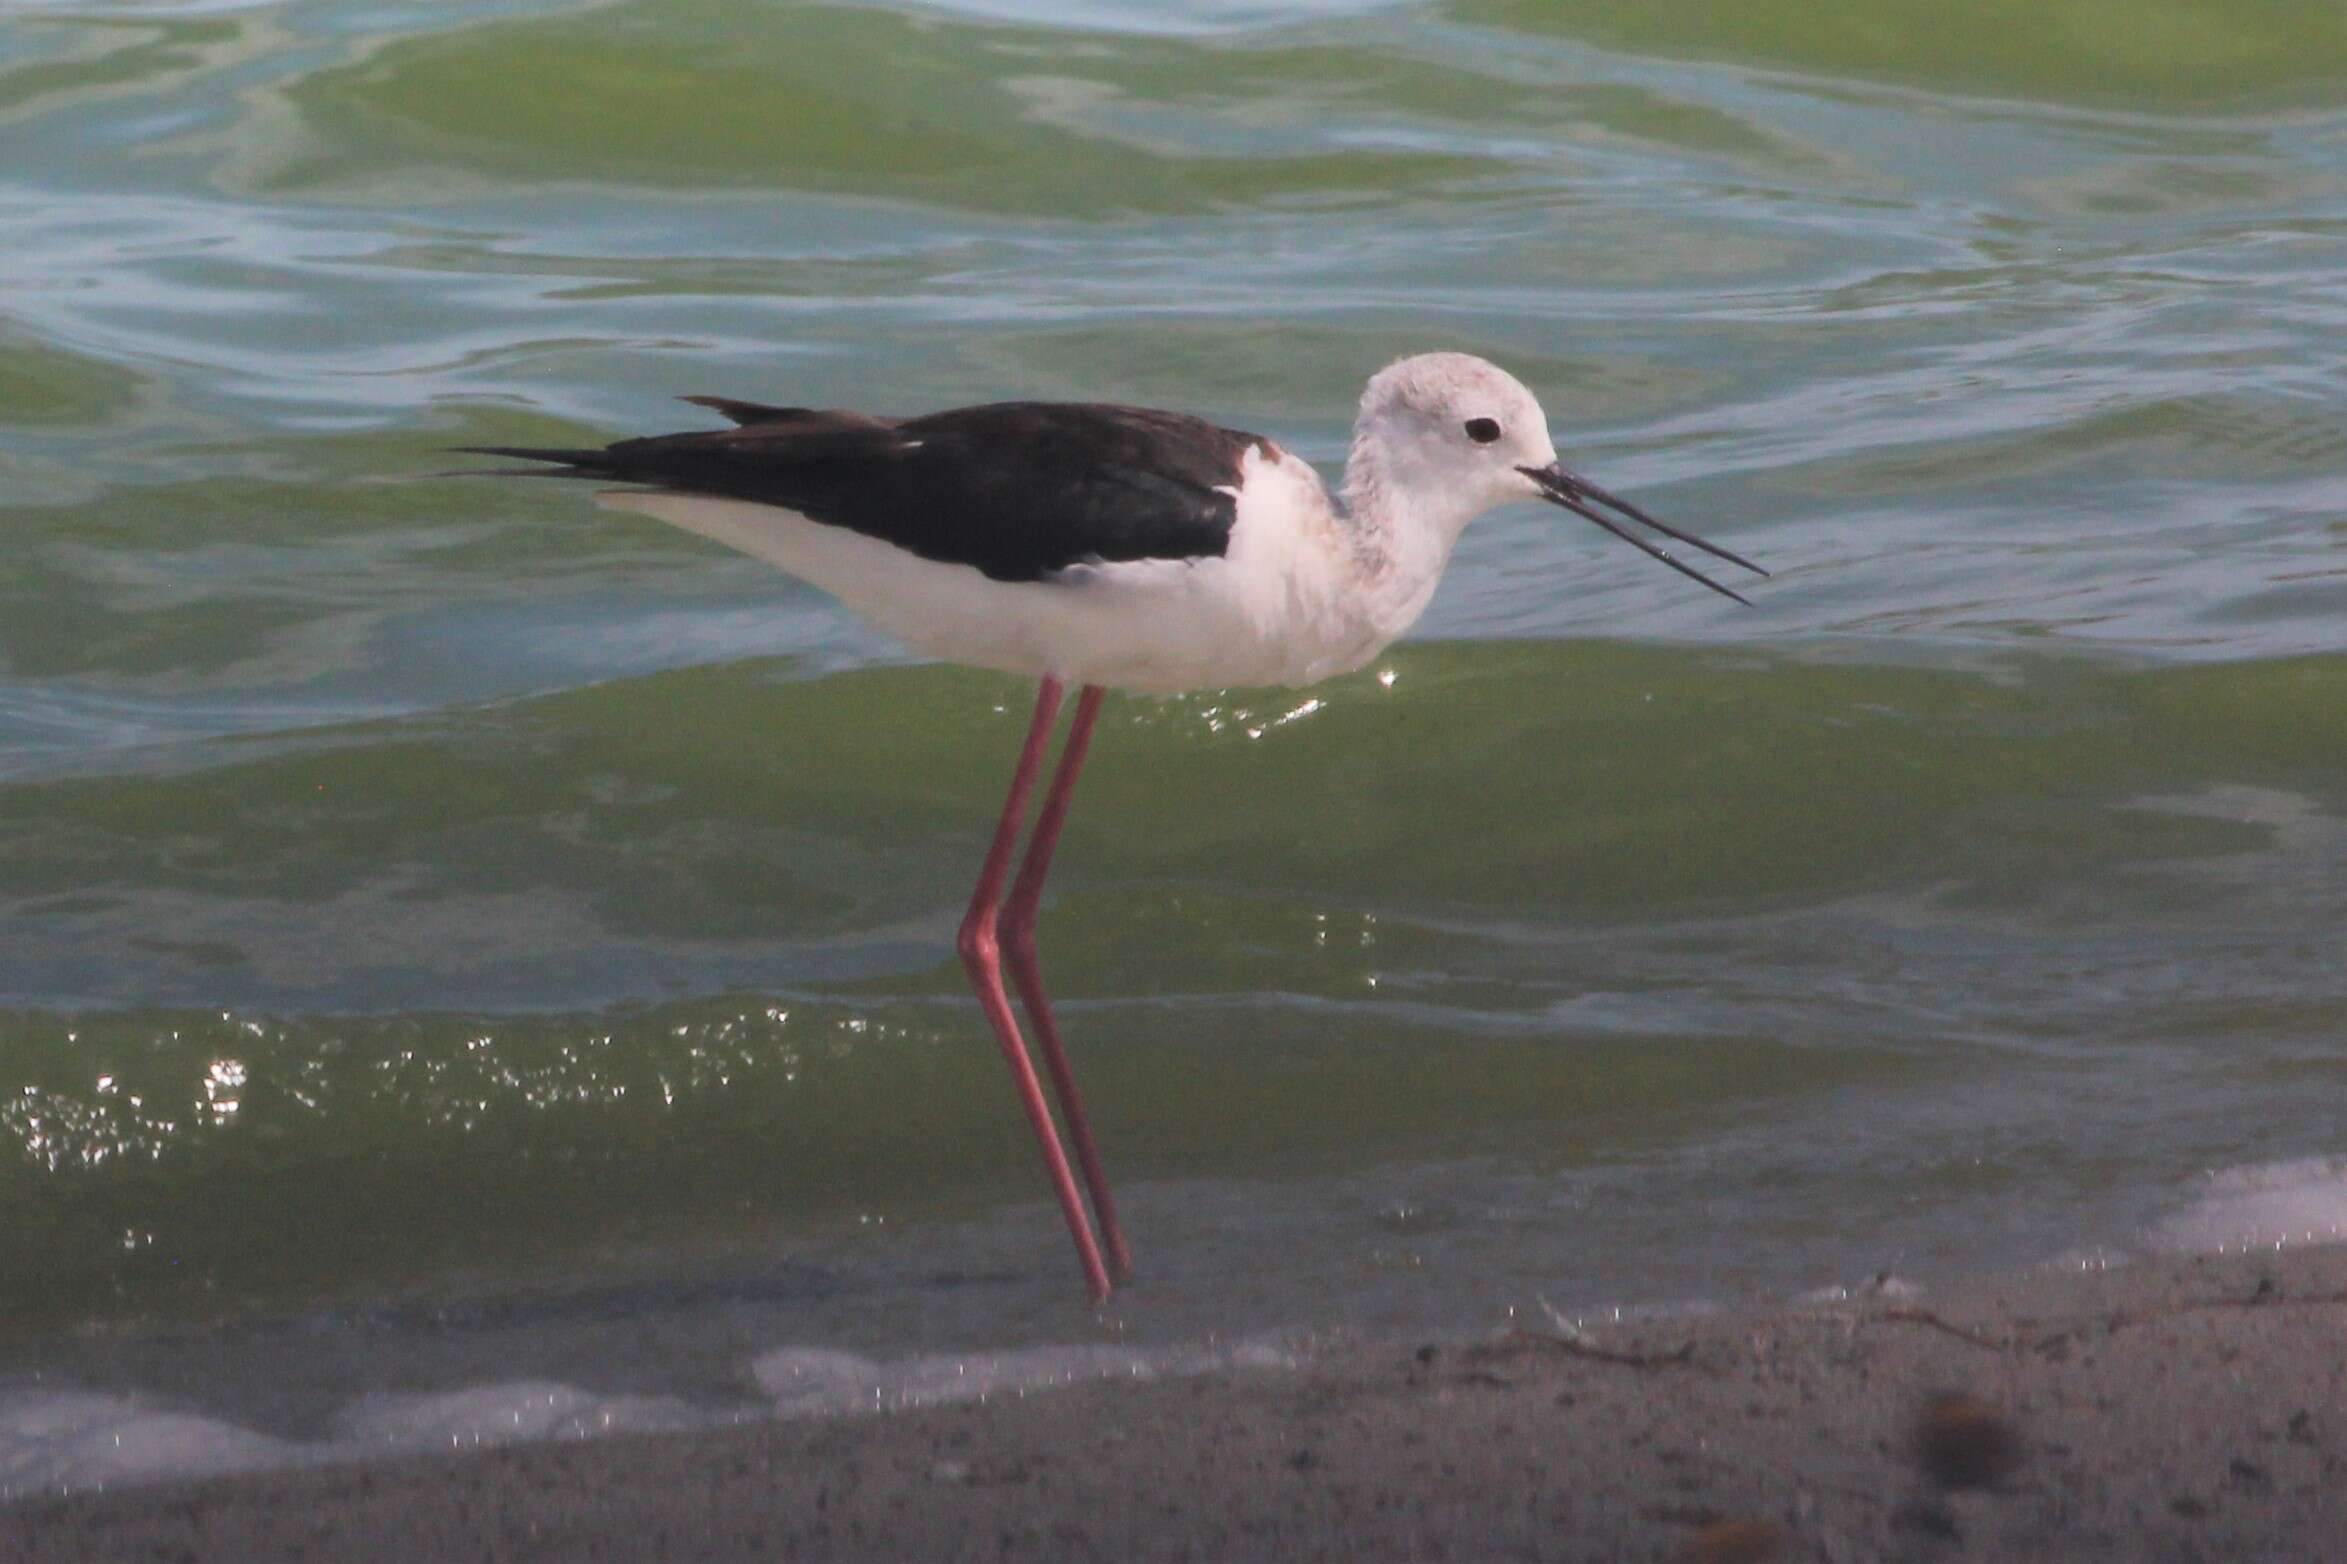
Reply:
x=747 y=412
x=1019 y=490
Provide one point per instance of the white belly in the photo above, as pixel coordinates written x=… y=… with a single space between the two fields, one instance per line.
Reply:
x=1270 y=611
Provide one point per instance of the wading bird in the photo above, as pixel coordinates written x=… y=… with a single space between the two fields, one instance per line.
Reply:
x=1108 y=547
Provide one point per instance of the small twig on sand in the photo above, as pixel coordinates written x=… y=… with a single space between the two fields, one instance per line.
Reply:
x=1910 y=1315
x=2264 y=1298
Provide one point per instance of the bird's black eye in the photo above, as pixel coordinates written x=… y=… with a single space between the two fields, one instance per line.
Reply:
x=1483 y=430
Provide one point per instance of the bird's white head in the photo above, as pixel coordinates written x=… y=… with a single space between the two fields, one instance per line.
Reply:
x=1443 y=437
x=1448 y=436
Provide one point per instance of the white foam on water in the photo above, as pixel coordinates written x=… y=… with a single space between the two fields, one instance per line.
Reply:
x=2265 y=1205
x=56 y=1440
x=53 y=1440
x=502 y=1414
x=807 y=1382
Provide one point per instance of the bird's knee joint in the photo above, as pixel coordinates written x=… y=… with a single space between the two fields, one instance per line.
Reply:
x=977 y=941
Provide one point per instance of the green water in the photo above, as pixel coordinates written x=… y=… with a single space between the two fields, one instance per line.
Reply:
x=426 y=889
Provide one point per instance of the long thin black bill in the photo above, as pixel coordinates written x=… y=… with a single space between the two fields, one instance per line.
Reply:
x=1575 y=493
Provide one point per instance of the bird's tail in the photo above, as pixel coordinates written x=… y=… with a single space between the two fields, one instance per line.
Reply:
x=576 y=463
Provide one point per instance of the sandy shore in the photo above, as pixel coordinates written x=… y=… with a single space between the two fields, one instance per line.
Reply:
x=2185 y=1409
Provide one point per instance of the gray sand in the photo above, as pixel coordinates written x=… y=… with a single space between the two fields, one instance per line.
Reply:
x=2184 y=1409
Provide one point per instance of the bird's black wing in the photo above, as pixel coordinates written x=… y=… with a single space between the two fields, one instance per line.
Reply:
x=1018 y=490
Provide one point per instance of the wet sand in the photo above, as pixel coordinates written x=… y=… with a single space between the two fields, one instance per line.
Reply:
x=2187 y=1409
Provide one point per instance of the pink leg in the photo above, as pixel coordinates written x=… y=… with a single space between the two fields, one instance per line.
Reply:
x=982 y=958
x=1018 y=942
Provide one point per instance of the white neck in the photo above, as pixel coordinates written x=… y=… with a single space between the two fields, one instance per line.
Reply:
x=1402 y=531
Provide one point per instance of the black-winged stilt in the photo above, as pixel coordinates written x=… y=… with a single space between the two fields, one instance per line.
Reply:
x=1107 y=547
